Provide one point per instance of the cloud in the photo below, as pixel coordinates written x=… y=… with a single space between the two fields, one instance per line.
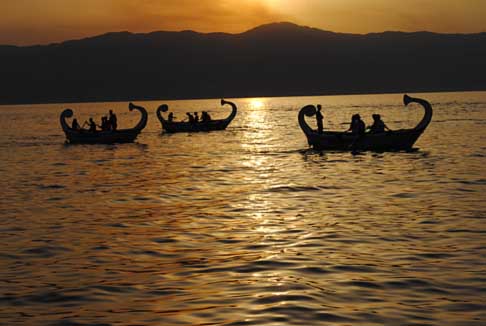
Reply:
x=43 y=21
x=199 y=15
x=363 y=16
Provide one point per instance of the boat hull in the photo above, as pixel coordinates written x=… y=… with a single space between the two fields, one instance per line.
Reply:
x=101 y=137
x=173 y=127
x=341 y=141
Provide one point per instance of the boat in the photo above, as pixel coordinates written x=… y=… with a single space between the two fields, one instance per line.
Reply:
x=84 y=136
x=395 y=140
x=184 y=126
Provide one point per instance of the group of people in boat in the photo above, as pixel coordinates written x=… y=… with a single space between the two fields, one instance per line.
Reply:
x=108 y=123
x=357 y=126
x=205 y=117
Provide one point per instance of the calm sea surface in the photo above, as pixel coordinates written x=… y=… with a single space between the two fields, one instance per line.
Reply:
x=245 y=226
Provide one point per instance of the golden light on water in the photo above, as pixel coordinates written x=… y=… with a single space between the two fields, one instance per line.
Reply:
x=256 y=103
x=244 y=226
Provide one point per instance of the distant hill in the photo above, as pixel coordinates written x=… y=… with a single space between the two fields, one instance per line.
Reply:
x=270 y=60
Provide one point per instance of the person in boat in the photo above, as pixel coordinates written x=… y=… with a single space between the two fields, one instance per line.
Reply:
x=196 y=117
x=357 y=125
x=190 y=117
x=75 y=125
x=319 y=120
x=113 y=121
x=170 y=117
x=92 y=125
x=205 y=117
x=352 y=124
x=378 y=125
x=104 y=124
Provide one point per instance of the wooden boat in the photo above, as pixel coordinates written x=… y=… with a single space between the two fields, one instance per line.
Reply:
x=386 y=141
x=183 y=126
x=84 y=136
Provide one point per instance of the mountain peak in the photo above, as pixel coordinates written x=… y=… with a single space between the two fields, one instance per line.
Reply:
x=281 y=27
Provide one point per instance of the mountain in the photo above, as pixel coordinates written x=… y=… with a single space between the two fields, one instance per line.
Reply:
x=270 y=60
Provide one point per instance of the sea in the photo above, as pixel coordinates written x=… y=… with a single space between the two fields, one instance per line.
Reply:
x=247 y=226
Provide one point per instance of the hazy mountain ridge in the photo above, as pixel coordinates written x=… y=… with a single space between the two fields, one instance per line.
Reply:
x=269 y=60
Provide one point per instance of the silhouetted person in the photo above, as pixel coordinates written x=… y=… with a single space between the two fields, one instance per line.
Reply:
x=352 y=125
x=108 y=124
x=104 y=124
x=75 y=125
x=361 y=125
x=190 y=117
x=319 y=119
x=196 y=117
x=92 y=125
x=171 y=117
x=357 y=125
x=205 y=117
x=378 y=125
x=113 y=121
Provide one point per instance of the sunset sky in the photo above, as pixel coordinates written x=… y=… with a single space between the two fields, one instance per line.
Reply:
x=44 y=21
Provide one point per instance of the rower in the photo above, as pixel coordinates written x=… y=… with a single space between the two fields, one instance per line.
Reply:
x=190 y=117
x=205 y=117
x=378 y=125
x=92 y=125
x=75 y=125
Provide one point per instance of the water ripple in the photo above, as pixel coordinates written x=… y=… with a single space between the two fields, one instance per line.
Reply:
x=246 y=226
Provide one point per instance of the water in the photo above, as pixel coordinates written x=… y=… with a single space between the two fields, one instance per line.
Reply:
x=245 y=226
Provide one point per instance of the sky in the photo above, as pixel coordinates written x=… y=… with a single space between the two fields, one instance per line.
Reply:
x=27 y=22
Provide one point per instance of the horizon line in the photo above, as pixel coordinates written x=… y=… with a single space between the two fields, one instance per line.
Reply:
x=202 y=98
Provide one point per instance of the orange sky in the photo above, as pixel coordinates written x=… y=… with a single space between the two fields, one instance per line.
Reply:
x=44 y=21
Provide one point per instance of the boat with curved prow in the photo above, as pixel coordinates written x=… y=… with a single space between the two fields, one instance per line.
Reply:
x=395 y=140
x=103 y=137
x=183 y=126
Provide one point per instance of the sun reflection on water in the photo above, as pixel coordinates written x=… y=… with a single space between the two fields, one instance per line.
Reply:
x=256 y=103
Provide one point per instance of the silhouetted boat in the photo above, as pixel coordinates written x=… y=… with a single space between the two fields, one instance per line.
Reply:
x=183 y=126
x=84 y=136
x=395 y=140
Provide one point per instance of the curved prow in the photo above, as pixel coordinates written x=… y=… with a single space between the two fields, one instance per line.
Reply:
x=68 y=113
x=160 y=109
x=234 y=110
x=428 y=111
x=309 y=111
x=143 y=121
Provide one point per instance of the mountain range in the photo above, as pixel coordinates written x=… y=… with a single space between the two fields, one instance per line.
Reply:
x=279 y=59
